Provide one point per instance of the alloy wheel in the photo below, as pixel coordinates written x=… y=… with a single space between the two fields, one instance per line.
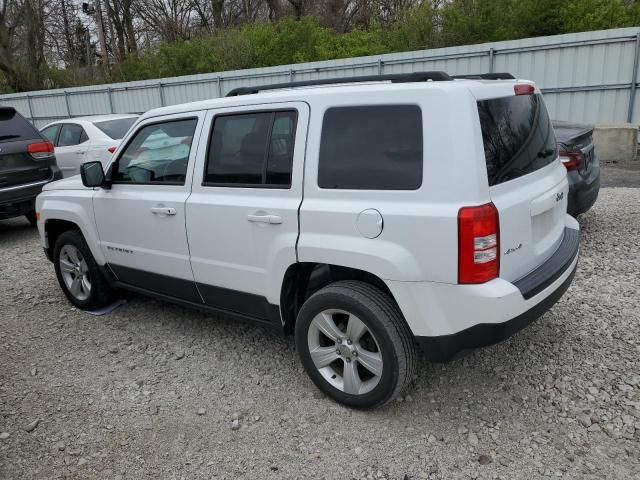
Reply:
x=344 y=351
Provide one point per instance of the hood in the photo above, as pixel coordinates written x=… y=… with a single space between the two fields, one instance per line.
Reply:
x=71 y=183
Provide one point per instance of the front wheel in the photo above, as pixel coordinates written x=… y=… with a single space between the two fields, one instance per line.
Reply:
x=355 y=345
x=78 y=273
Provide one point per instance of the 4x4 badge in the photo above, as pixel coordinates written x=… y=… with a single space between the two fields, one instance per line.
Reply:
x=559 y=196
x=513 y=249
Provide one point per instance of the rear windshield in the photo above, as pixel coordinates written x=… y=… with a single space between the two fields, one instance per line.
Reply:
x=13 y=127
x=517 y=135
x=116 y=129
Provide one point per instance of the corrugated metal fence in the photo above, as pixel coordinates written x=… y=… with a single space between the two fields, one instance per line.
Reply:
x=589 y=76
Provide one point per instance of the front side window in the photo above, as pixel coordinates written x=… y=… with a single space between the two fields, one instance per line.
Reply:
x=252 y=149
x=71 y=134
x=376 y=147
x=50 y=133
x=158 y=153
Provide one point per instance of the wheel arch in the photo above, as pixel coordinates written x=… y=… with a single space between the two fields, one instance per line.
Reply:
x=303 y=279
x=59 y=219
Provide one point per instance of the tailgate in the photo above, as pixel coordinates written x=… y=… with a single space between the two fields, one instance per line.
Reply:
x=528 y=184
x=532 y=212
x=17 y=167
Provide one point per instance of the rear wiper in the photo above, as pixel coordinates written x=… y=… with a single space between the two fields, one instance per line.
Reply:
x=546 y=153
x=6 y=137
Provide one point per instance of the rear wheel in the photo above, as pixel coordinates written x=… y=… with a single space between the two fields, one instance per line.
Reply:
x=78 y=273
x=355 y=344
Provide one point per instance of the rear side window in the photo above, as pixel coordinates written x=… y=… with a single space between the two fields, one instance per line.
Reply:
x=14 y=127
x=116 y=129
x=371 y=148
x=517 y=135
x=252 y=149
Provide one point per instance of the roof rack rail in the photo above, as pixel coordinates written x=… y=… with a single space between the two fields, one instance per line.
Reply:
x=393 y=78
x=487 y=76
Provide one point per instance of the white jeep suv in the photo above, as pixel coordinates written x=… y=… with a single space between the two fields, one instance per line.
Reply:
x=369 y=217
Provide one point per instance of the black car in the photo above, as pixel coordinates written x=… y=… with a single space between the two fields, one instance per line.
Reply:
x=577 y=152
x=27 y=162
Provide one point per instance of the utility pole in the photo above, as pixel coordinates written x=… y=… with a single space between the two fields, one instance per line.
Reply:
x=101 y=34
x=89 y=56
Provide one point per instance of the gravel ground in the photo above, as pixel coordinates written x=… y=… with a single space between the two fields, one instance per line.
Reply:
x=157 y=391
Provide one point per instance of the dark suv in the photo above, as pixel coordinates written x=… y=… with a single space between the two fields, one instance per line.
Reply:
x=27 y=162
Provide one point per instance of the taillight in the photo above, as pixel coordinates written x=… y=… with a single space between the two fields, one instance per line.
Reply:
x=40 y=150
x=571 y=160
x=111 y=150
x=478 y=244
x=524 y=89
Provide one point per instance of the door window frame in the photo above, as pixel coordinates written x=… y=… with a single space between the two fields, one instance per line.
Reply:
x=273 y=111
x=55 y=138
x=73 y=124
x=194 y=115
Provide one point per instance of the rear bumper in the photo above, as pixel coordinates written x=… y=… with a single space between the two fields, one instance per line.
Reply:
x=447 y=319
x=20 y=199
x=446 y=347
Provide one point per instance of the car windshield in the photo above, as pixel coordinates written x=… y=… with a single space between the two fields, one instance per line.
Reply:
x=116 y=129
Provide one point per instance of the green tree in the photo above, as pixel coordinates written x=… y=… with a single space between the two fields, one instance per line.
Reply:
x=584 y=15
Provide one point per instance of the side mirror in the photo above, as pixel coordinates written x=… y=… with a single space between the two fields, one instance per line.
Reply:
x=92 y=174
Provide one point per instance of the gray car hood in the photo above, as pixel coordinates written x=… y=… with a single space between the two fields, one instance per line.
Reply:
x=71 y=183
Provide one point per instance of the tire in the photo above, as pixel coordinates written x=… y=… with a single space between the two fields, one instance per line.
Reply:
x=31 y=217
x=383 y=357
x=71 y=250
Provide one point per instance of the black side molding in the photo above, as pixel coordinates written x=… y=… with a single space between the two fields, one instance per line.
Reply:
x=220 y=301
x=547 y=273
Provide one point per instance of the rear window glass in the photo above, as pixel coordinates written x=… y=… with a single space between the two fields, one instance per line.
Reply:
x=371 y=148
x=116 y=129
x=14 y=127
x=517 y=135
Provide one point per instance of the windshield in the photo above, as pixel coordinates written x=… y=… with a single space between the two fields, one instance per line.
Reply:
x=517 y=135
x=116 y=129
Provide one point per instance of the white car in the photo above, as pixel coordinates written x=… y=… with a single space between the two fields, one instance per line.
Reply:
x=84 y=139
x=368 y=217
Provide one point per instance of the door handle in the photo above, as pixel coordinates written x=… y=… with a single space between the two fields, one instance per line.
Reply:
x=273 y=219
x=163 y=210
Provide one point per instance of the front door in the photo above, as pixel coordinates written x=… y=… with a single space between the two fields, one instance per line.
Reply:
x=141 y=219
x=242 y=215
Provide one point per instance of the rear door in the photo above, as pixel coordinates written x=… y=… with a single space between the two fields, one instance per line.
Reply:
x=242 y=215
x=17 y=167
x=71 y=148
x=527 y=182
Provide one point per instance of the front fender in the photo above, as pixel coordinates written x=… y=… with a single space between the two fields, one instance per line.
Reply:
x=75 y=206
